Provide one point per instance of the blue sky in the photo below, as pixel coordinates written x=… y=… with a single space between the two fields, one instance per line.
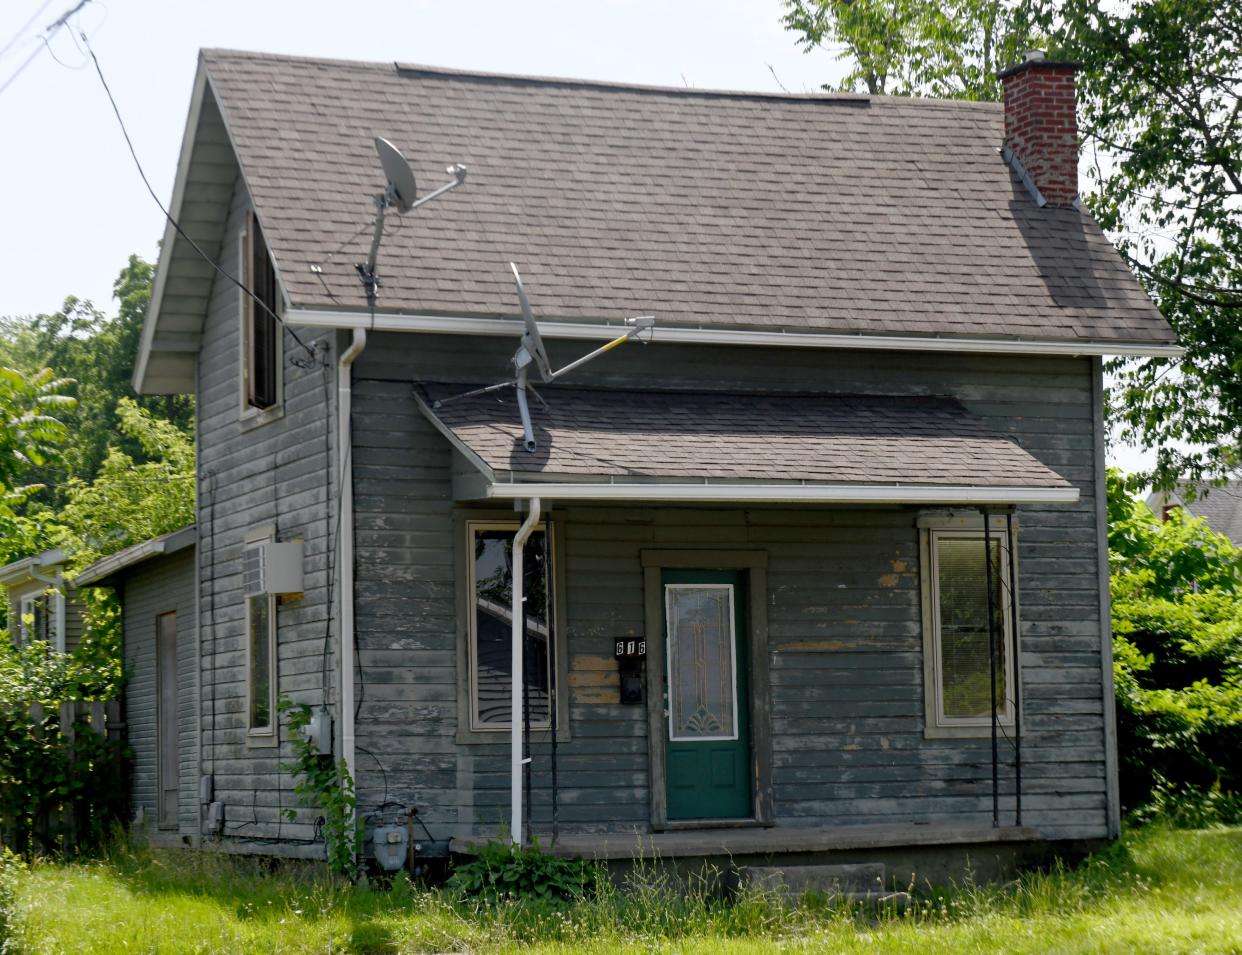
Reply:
x=72 y=207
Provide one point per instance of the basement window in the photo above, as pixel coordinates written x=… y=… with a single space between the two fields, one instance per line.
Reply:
x=956 y=641
x=261 y=332
x=489 y=644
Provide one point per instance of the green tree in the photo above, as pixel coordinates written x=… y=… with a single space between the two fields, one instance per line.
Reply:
x=1160 y=100
x=950 y=49
x=1177 y=648
x=97 y=351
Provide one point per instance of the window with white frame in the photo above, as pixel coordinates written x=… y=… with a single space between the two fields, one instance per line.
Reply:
x=261 y=664
x=261 y=332
x=490 y=616
x=962 y=651
x=38 y=615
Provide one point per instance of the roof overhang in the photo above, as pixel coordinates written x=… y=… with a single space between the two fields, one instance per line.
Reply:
x=776 y=493
x=98 y=573
x=481 y=471
x=29 y=568
x=595 y=331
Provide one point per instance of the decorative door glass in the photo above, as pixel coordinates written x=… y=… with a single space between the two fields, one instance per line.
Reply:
x=702 y=663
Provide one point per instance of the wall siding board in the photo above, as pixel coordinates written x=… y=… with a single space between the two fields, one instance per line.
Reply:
x=276 y=473
x=845 y=639
x=152 y=588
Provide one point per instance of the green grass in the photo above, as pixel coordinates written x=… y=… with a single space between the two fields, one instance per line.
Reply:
x=1158 y=890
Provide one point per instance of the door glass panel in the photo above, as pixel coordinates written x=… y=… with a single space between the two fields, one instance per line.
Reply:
x=702 y=675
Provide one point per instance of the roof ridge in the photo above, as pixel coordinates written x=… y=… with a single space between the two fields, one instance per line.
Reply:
x=410 y=70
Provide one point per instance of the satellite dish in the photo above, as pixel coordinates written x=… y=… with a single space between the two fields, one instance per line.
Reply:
x=402 y=190
x=531 y=351
x=532 y=341
x=400 y=194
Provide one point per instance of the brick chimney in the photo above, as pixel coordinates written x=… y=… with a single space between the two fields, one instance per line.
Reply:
x=1041 y=127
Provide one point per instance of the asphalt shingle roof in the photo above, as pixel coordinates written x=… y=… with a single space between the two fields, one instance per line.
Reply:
x=707 y=435
x=801 y=213
x=1220 y=506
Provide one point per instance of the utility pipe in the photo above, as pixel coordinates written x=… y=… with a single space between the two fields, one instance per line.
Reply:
x=518 y=633
x=345 y=546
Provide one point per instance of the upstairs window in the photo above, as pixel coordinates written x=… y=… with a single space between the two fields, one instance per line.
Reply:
x=958 y=641
x=261 y=333
x=490 y=624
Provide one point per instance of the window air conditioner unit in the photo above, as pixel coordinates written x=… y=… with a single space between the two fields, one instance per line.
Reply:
x=272 y=567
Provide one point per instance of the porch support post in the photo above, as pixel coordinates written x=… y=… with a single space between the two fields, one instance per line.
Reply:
x=1017 y=670
x=987 y=564
x=517 y=588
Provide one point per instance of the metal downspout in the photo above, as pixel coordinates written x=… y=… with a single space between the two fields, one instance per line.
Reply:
x=345 y=548
x=518 y=614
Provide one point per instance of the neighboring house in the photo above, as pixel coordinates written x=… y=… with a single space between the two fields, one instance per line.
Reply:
x=1220 y=506
x=154 y=581
x=760 y=619
x=40 y=604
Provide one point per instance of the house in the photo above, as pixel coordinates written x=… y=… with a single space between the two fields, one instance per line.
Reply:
x=1220 y=506
x=155 y=582
x=40 y=606
x=820 y=570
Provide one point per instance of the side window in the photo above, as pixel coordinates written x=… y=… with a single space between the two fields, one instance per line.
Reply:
x=37 y=619
x=261 y=664
x=261 y=333
x=958 y=642
x=490 y=569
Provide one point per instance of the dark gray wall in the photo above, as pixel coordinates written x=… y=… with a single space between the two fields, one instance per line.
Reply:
x=275 y=473
x=159 y=586
x=846 y=640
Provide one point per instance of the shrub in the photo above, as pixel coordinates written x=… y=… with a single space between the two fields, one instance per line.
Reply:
x=10 y=869
x=501 y=871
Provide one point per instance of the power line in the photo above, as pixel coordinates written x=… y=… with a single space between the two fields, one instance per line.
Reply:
x=47 y=35
x=24 y=27
x=168 y=215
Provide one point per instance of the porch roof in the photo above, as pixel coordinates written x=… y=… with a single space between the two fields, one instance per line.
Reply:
x=713 y=446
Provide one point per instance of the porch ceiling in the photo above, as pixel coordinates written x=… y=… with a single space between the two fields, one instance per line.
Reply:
x=608 y=444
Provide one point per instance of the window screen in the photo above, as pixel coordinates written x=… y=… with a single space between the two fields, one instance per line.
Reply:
x=965 y=664
x=491 y=601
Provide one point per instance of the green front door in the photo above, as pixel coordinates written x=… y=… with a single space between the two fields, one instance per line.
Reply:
x=707 y=724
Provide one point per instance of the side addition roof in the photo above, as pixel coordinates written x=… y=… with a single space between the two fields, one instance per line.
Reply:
x=797 y=214
x=102 y=572
x=762 y=447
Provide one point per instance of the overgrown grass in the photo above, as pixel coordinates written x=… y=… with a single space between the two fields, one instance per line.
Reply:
x=1158 y=890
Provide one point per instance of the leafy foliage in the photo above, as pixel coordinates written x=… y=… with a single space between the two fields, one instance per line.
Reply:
x=53 y=783
x=501 y=871
x=326 y=785
x=97 y=351
x=1177 y=646
x=951 y=49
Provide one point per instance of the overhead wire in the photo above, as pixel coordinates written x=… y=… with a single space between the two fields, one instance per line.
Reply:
x=24 y=27
x=169 y=216
x=49 y=32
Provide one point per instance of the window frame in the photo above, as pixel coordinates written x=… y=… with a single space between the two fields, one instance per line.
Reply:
x=53 y=610
x=467 y=523
x=937 y=724
x=261 y=735
x=254 y=415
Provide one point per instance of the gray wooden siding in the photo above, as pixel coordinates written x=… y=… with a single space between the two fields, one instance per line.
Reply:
x=276 y=473
x=845 y=634
x=158 y=586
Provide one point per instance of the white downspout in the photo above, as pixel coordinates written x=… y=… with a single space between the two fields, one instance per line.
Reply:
x=515 y=709
x=345 y=548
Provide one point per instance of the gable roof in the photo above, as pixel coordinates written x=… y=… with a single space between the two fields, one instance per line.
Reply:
x=1220 y=506
x=837 y=214
x=653 y=445
x=103 y=572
